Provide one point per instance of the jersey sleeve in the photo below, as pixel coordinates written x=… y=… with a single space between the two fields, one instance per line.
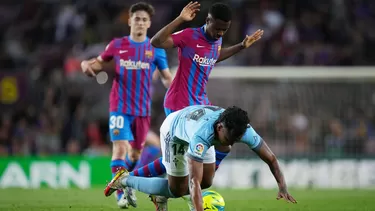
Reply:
x=161 y=60
x=108 y=53
x=251 y=138
x=197 y=148
x=180 y=38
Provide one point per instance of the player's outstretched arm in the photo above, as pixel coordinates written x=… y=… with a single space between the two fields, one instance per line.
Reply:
x=196 y=175
x=225 y=53
x=92 y=66
x=161 y=62
x=265 y=153
x=163 y=39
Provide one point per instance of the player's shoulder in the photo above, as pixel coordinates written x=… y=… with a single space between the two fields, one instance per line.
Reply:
x=206 y=107
x=185 y=31
x=206 y=130
x=249 y=134
x=118 y=41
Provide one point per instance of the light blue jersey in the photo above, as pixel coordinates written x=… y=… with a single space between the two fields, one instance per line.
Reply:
x=195 y=125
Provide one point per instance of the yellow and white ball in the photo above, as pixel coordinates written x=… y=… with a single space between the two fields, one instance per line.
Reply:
x=213 y=201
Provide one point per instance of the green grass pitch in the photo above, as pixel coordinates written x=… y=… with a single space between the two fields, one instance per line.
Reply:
x=236 y=200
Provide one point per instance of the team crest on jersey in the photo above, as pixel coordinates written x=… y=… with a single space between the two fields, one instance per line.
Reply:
x=148 y=54
x=116 y=132
x=198 y=149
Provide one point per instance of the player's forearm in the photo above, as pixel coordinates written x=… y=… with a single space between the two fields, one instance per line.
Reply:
x=196 y=194
x=92 y=66
x=166 y=78
x=166 y=82
x=161 y=36
x=225 y=53
x=278 y=174
x=93 y=60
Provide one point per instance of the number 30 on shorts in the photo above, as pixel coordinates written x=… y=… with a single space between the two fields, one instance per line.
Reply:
x=116 y=122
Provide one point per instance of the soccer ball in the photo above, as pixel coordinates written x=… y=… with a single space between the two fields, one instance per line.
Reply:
x=213 y=201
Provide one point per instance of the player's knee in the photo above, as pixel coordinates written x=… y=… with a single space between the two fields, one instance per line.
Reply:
x=135 y=154
x=119 y=149
x=179 y=190
x=206 y=183
x=178 y=187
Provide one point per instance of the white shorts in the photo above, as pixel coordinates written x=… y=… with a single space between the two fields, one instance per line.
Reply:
x=174 y=152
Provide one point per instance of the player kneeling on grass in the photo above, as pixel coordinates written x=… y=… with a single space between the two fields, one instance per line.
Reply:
x=187 y=140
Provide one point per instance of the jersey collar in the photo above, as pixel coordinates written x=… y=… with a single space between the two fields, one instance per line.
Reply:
x=203 y=31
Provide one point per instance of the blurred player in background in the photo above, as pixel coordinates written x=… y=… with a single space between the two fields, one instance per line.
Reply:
x=130 y=98
x=188 y=137
x=199 y=49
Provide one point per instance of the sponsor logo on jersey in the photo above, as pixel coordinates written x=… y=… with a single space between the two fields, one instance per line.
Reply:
x=204 y=61
x=134 y=65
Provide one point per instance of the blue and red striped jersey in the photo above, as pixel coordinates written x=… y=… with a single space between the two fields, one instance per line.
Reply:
x=135 y=63
x=197 y=55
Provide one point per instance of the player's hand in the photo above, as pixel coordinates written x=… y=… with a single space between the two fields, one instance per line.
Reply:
x=190 y=11
x=286 y=196
x=249 y=40
x=87 y=68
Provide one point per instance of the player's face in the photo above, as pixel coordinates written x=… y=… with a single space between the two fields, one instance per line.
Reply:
x=223 y=135
x=139 y=22
x=216 y=28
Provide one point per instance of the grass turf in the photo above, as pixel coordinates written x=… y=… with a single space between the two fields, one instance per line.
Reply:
x=246 y=200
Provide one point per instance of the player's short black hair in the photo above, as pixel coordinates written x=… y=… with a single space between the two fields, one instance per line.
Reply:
x=142 y=6
x=221 y=11
x=235 y=120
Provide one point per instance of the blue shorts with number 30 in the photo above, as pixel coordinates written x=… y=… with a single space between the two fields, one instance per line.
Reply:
x=123 y=127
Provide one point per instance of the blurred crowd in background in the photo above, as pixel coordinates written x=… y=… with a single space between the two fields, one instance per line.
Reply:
x=49 y=107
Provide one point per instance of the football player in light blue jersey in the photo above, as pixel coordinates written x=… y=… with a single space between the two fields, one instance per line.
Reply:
x=187 y=141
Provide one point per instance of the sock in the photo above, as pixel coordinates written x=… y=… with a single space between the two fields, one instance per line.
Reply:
x=129 y=165
x=149 y=154
x=219 y=157
x=115 y=166
x=153 y=169
x=154 y=186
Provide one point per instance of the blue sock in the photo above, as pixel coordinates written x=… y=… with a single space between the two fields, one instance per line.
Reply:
x=219 y=157
x=129 y=165
x=154 y=186
x=115 y=166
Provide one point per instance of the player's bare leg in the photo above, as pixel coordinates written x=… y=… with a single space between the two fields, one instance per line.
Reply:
x=119 y=149
x=139 y=127
x=150 y=153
